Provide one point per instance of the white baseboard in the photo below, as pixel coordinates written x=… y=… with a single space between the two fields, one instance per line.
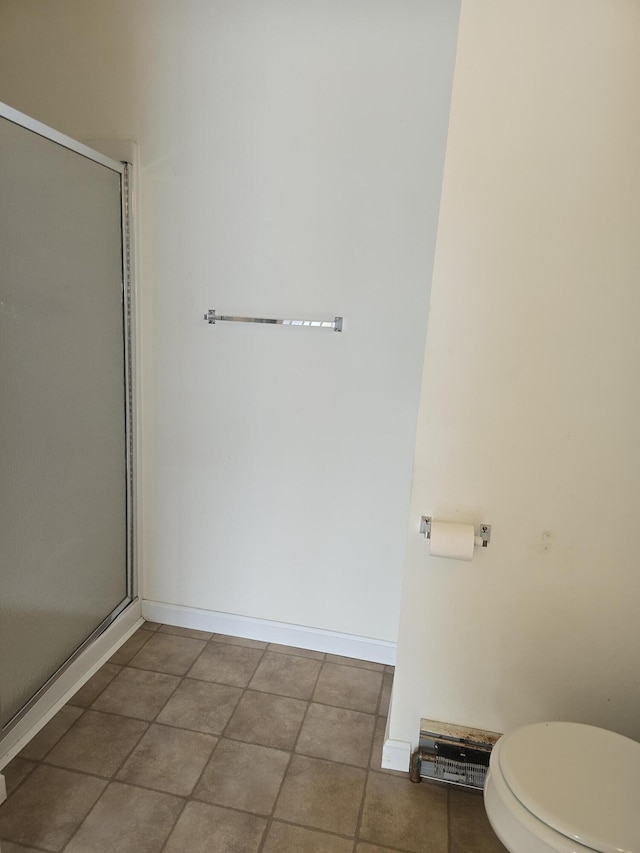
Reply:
x=396 y=755
x=74 y=676
x=363 y=648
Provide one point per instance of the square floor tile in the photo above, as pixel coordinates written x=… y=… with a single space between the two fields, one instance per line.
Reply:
x=206 y=829
x=127 y=820
x=348 y=687
x=136 y=693
x=9 y=847
x=373 y=848
x=201 y=706
x=51 y=733
x=168 y=653
x=186 y=632
x=16 y=772
x=151 y=626
x=469 y=826
x=284 y=838
x=168 y=759
x=337 y=734
x=267 y=719
x=322 y=795
x=48 y=807
x=286 y=675
x=98 y=743
x=226 y=664
x=92 y=688
x=399 y=813
x=131 y=647
x=243 y=776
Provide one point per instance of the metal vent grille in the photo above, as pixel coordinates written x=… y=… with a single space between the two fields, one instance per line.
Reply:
x=452 y=754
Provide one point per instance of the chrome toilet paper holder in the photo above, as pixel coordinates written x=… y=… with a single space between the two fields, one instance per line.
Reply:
x=482 y=531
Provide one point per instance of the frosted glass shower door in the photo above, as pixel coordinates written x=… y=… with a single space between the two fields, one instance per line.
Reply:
x=64 y=421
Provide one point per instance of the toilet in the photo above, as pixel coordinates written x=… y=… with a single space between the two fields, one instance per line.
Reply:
x=564 y=787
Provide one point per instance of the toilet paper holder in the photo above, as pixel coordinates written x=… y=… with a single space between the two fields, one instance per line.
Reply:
x=483 y=531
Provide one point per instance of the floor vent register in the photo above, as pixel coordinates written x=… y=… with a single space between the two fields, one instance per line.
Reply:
x=454 y=754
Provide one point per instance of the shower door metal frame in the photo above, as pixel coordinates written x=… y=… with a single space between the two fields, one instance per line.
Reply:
x=124 y=169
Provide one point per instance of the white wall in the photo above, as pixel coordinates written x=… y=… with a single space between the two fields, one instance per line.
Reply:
x=529 y=415
x=291 y=162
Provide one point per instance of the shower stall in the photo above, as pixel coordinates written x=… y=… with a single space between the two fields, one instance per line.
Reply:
x=67 y=576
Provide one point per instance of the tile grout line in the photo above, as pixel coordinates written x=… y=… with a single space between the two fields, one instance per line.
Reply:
x=329 y=832
x=190 y=797
x=149 y=722
x=40 y=761
x=112 y=779
x=356 y=834
x=292 y=753
x=323 y=660
x=43 y=762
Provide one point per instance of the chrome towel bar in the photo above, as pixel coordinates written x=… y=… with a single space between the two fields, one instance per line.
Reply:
x=335 y=324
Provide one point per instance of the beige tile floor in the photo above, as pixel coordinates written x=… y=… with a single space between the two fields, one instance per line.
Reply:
x=187 y=742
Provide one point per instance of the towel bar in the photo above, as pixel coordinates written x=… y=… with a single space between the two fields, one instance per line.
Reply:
x=335 y=324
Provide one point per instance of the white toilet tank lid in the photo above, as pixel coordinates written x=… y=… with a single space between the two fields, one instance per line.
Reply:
x=582 y=781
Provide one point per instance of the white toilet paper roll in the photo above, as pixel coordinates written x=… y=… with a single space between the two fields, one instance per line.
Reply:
x=452 y=540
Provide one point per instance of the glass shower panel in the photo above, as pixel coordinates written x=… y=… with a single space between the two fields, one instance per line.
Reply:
x=63 y=468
